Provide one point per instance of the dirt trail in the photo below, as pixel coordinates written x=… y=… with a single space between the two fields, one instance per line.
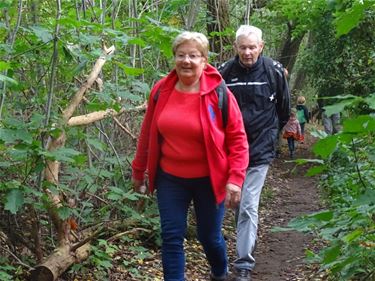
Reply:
x=280 y=256
x=287 y=194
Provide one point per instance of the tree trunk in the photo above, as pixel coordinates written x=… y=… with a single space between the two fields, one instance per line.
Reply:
x=290 y=49
x=218 y=13
x=300 y=79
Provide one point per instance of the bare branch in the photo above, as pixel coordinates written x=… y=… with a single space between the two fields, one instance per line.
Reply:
x=68 y=112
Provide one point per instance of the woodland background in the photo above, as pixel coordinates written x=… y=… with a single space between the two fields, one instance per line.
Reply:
x=74 y=79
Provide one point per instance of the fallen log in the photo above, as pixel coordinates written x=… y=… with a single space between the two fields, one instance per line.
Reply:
x=58 y=262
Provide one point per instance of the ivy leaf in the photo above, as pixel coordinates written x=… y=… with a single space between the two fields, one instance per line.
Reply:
x=14 y=200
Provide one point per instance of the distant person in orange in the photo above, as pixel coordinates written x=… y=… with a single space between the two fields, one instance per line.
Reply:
x=292 y=131
x=191 y=156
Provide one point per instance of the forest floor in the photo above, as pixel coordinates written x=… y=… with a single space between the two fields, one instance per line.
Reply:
x=288 y=193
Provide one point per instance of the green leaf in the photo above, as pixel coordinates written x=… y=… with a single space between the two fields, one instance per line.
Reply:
x=130 y=70
x=14 y=135
x=4 y=78
x=62 y=154
x=316 y=170
x=349 y=19
x=4 y=65
x=338 y=107
x=370 y=100
x=14 y=200
x=323 y=215
x=360 y=124
x=325 y=147
x=331 y=253
x=365 y=199
x=352 y=235
x=97 y=144
x=64 y=212
x=42 y=33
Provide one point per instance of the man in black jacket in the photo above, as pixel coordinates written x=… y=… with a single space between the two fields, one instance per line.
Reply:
x=261 y=89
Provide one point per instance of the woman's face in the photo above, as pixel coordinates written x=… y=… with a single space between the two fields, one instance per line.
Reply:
x=190 y=62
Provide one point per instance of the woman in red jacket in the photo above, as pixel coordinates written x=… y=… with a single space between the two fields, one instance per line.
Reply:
x=190 y=155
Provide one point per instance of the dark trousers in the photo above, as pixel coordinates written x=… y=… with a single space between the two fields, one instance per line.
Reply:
x=291 y=146
x=302 y=128
x=174 y=196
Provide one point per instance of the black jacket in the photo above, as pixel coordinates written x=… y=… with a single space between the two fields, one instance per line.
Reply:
x=264 y=111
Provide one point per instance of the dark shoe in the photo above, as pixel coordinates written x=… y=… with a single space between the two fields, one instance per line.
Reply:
x=221 y=278
x=242 y=275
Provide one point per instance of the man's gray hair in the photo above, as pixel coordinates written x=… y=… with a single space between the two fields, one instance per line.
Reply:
x=246 y=30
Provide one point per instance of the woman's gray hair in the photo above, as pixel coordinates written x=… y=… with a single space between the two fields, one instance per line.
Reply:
x=246 y=30
x=197 y=37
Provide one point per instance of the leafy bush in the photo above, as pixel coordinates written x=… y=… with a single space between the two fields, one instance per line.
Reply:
x=348 y=181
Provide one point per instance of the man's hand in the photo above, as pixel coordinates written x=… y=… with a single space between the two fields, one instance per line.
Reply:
x=139 y=186
x=233 y=196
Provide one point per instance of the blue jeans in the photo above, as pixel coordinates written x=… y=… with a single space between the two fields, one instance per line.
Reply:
x=174 y=196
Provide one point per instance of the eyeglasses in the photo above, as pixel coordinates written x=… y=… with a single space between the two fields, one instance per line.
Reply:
x=191 y=57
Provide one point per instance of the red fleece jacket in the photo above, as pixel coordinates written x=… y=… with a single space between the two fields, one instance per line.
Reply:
x=227 y=148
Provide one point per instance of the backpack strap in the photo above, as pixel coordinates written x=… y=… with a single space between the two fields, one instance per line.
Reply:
x=270 y=70
x=156 y=96
x=221 y=91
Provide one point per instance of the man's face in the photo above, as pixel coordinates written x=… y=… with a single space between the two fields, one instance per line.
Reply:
x=248 y=49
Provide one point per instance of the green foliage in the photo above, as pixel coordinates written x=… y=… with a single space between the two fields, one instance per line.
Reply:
x=6 y=271
x=348 y=226
x=342 y=65
x=95 y=169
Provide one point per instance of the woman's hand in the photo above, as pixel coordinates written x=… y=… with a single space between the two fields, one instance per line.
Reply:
x=139 y=186
x=233 y=196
